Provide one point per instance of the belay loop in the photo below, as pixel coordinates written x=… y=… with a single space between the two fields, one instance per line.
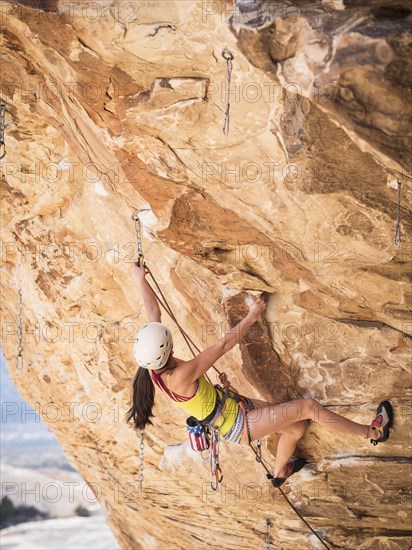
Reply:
x=141 y=459
x=228 y=56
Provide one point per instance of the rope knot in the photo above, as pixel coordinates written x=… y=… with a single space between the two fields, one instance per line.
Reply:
x=223 y=380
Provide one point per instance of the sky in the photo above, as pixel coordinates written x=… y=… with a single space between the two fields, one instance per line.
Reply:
x=16 y=414
x=25 y=439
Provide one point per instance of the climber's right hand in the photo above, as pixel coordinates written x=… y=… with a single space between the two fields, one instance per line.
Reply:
x=257 y=308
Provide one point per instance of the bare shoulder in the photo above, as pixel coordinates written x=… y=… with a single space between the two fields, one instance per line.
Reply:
x=179 y=378
x=180 y=373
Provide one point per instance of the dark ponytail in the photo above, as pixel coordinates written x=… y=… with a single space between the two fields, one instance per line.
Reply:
x=143 y=399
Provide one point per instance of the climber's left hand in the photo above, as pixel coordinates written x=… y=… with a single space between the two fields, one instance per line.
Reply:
x=140 y=271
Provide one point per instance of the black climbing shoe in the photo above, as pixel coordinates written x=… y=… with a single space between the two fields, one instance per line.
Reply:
x=382 y=422
x=292 y=467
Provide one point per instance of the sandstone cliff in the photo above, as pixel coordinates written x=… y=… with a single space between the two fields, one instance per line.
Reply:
x=118 y=107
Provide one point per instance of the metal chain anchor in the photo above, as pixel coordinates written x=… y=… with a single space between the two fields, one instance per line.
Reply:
x=3 y=126
x=141 y=465
x=140 y=259
x=19 y=358
x=138 y=230
x=258 y=456
x=227 y=54
x=269 y=524
x=397 y=235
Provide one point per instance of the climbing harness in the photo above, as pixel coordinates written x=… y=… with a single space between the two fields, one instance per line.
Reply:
x=228 y=56
x=214 y=458
x=141 y=464
x=3 y=126
x=269 y=524
x=204 y=434
x=19 y=358
x=397 y=235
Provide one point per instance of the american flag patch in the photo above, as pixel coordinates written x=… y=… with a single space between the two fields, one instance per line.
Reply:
x=198 y=438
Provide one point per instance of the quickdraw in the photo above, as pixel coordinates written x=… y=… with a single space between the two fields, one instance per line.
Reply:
x=397 y=235
x=138 y=230
x=269 y=524
x=141 y=462
x=3 y=126
x=228 y=56
x=19 y=358
x=215 y=470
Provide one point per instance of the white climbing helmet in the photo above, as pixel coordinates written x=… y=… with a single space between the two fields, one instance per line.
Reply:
x=153 y=346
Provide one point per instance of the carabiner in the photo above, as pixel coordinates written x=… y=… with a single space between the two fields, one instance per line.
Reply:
x=227 y=54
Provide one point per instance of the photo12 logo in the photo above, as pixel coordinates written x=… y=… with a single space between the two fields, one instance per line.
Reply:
x=68 y=12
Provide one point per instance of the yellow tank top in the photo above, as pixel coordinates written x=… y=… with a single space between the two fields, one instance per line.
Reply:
x=203 y=402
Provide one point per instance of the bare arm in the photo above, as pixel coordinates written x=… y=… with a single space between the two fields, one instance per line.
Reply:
x=149 y=297
x=190 y=371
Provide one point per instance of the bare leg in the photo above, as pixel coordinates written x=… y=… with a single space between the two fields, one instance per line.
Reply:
x=275 y=418
x=287 y=442
x=258 y=403
x=287 y=445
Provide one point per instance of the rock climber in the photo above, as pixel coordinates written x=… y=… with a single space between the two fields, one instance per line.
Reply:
x=243 y=421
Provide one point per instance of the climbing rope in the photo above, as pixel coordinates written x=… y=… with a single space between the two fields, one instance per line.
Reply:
x=141 y=462
x=269 y=524
x=396 y=174
x=161 y=298
x=228 y=56
x=19 y=358
x=3 y=126
x=270 y=476
x=397 y=235
x=191 y=345
x=222 y=376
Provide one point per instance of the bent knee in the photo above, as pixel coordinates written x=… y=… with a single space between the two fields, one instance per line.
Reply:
x=298 y=429
x=301 y=427
x=309 y=406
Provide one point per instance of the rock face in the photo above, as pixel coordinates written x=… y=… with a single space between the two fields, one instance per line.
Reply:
x=119 y=107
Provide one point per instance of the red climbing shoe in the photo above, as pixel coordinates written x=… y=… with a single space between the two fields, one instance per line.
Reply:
x=292 y=467
x=382 y=422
